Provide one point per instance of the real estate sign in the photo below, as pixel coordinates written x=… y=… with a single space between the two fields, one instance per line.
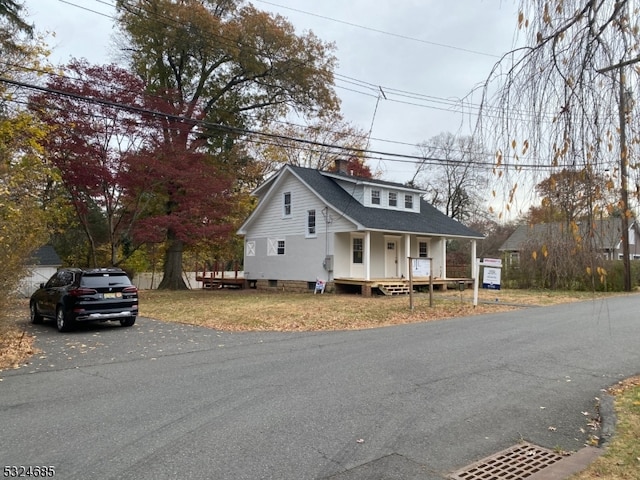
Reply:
x=421 y=267
x=491 y=274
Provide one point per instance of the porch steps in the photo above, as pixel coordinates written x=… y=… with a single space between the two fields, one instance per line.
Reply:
x=399 y=288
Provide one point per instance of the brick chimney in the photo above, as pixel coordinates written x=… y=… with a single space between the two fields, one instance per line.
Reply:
x=341 y=165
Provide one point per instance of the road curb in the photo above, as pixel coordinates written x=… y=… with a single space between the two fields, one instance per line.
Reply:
x=569 y=465
x=607 y=418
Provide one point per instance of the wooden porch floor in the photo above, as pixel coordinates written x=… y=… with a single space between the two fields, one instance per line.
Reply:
x=394 y=284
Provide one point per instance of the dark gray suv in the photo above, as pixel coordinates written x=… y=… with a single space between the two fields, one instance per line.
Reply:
x=81 y=294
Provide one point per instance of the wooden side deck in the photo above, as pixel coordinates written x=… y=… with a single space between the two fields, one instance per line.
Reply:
x=398 y=286
x=210 y=282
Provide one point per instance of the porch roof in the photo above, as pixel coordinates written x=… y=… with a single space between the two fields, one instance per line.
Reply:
x=430 y=221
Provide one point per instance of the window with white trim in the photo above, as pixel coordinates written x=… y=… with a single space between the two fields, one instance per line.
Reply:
x=275 y=246
x=286 y=204
x=393 y=199
x=375 y=197
x=423 y=249
x=311 y=223
x=358 y=250
x=408 y=202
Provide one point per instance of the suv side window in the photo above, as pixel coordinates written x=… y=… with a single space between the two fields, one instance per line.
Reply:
x=52 y=281
x=56 y=281
x=66 y=278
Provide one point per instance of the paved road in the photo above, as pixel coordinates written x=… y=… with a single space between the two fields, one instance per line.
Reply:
x=164 y=401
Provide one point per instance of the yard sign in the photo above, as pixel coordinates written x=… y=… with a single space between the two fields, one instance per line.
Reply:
x=492 y=271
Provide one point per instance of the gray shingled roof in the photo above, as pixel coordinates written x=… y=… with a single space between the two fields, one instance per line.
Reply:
x=606 y=233
x=45 y=256
x=429 y=221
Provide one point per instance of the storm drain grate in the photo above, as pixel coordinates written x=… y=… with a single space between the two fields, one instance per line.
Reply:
x=514 y=463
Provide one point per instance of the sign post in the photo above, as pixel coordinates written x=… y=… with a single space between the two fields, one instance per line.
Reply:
x=491 y=276
x=419 y=267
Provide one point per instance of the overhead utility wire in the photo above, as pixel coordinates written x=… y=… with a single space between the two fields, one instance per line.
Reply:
x=457 y=107
x=391 y=34
x=374 y=87
x=398 y=157
x=355 y=136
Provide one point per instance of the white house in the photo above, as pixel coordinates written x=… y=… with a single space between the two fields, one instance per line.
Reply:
x=44 y=262
x=604 y=235
x=348 y=231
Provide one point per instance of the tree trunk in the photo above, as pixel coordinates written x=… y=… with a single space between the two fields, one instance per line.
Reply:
x=172 y=279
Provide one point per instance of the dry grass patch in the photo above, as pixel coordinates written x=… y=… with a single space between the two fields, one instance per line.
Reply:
x=243 y=310
x=16 y=344
x=621 y=460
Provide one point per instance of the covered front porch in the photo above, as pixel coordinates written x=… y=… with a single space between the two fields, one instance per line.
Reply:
x=390 y=287
x=379 y=261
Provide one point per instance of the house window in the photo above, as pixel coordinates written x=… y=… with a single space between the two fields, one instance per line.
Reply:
x=358 y=248
x=393 y=199
x=408 y=202
x=275 y=246
x=311 y=223
x=375 y=197
x=251 y=249
x=423 y=251
x=286 y=204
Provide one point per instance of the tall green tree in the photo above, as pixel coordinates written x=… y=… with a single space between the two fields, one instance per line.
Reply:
x=11 y=11
x=216 y=68
x=23 y=172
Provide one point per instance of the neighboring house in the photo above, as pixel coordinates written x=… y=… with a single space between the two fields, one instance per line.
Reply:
x=44 y=262
x=605 y=235
x=347 y=231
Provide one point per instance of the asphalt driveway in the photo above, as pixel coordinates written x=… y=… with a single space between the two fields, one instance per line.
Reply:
x=418 y=401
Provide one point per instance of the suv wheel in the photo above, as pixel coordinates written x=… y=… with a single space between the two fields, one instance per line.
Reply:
x=62 y=321
x=35 y=315
x=128 y=322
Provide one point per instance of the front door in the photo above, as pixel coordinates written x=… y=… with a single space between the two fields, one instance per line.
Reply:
x=391 y=258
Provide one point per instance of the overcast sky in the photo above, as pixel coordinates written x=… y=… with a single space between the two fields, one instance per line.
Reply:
x=423 y=54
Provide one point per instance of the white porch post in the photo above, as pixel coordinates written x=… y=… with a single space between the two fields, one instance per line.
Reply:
x=444 y=258
x=367 y=255
x=407 y=253
x=474 y=272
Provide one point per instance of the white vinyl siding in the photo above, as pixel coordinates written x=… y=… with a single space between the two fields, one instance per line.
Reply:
x=269 y=222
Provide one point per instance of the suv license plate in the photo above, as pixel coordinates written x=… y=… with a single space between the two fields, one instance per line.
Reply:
x=112 y=295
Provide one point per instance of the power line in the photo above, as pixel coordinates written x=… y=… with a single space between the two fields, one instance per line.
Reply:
x=383 y=32
x=369 y=154
x=347 y=79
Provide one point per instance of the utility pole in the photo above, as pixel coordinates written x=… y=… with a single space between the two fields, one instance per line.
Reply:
x=624 y=163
